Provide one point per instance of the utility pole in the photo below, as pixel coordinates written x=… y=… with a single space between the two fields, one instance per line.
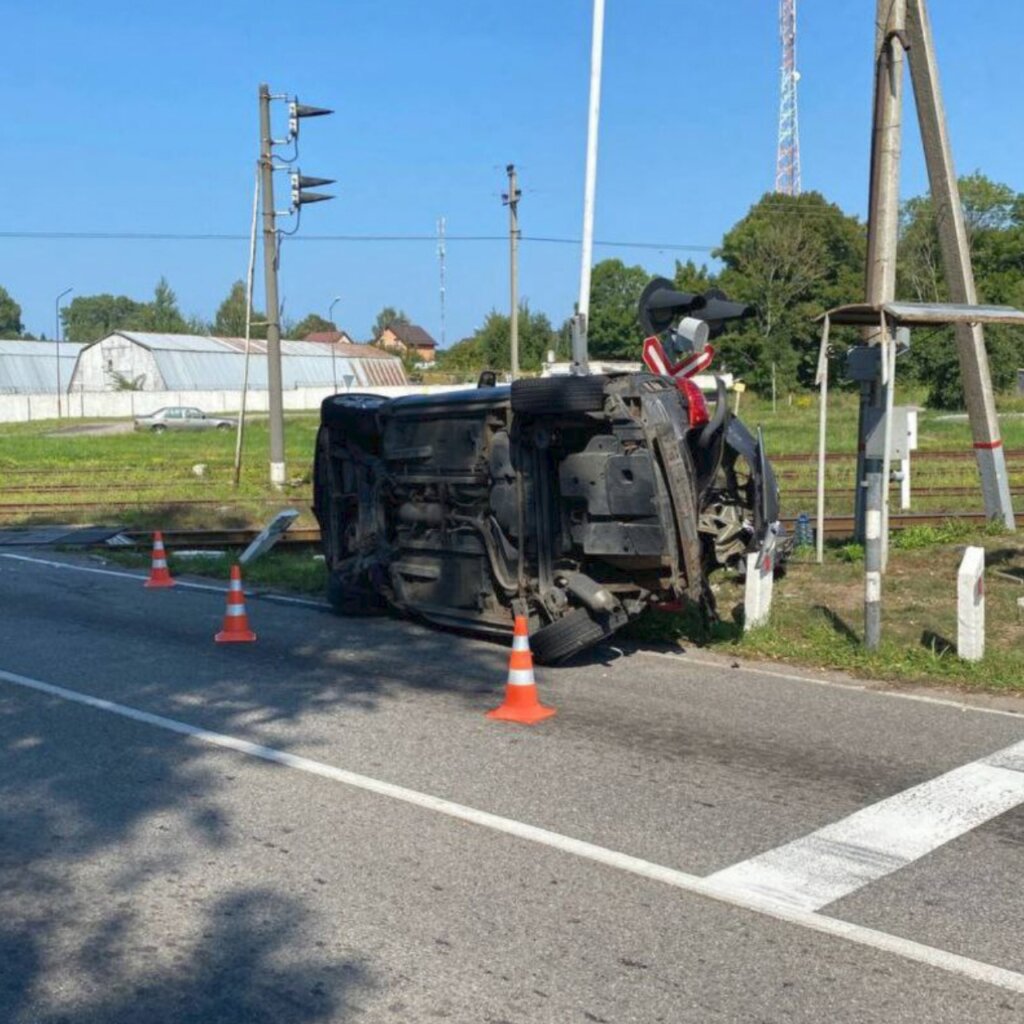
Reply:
x=580 y=361
x=441 y=253
x=883 y=228
x=334 y=344
x=511 y=200
x=276 y=401
x=60 y=386
x=271 y=257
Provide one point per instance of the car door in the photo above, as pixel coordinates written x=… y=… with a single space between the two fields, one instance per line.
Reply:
x=175 y=419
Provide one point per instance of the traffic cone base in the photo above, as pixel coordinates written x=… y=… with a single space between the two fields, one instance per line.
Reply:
x=159 y=574
x=521 y=703
x=527 y=710
x=246 y=636
x=235 y=629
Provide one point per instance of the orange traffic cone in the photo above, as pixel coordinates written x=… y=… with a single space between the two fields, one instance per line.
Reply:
x=521 y=703
x=159 y=574
x=236 y=623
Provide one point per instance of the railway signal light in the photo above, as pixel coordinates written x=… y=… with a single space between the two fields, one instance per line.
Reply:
x=297 y=110
x=300 y=182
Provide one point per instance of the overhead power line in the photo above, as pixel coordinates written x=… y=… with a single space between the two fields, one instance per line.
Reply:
x=178 y=236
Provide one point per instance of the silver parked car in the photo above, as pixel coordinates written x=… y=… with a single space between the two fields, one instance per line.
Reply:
x=182 y=417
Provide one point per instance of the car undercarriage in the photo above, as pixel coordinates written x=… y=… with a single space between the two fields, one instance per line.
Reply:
x=578 y=501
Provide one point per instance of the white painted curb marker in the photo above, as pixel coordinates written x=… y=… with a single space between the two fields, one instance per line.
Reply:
x=970 y=606
x=757 y=594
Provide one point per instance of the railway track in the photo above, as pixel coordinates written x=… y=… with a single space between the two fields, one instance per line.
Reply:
x=836 y=527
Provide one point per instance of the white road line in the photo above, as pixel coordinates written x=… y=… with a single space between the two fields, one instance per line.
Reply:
x=941 y=959
x=792 y=677
x=140 y=577
x=833 y=862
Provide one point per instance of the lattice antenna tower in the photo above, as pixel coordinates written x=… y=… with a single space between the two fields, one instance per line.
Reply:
x=787 y=163
x=440 y=261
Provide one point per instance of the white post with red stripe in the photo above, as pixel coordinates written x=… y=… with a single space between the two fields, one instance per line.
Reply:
x=970 y=606
x=757 y=592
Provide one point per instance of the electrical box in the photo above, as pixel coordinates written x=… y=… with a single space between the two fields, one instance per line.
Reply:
x=864 y=363
x=874 y=422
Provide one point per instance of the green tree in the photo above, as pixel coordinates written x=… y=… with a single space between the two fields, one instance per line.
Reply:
x=312 y=323
x=10 y=316
x=463 y=357
x=162 y=314
x=614 y=331
x=994 y=218
x=230 y=319
x=385 y=318
x=89 y=318
x=792 y=257
x=489 y=348
x=691 y=278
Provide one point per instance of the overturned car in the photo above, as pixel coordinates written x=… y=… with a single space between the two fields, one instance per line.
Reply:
x=578 y=501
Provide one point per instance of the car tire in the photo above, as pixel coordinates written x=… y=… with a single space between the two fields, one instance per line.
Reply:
x=545 y=395
x=354 y=417
x=565 y=637
x=158 y=428
x=352 y=600
x=223 y=426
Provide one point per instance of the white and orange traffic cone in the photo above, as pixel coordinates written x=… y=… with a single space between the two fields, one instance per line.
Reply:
x=521 y=701
x=159 y=574
x=236 y=622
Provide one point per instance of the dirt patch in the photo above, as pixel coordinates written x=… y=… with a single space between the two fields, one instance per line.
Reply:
x=92 y=430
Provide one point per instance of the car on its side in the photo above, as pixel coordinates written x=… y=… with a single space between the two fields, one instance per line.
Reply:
x=576 y=501
x=182 y=417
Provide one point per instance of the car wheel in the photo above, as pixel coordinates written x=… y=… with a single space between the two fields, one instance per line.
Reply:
x=542 y=395
x=565 y=637
x=223 y=426
x=158 y=428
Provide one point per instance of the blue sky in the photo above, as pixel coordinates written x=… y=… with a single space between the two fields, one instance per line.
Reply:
x=141 y=117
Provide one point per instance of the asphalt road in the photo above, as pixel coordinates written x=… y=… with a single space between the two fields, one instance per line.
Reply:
x=322 y=826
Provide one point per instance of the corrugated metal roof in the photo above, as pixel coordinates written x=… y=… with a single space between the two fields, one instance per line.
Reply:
x=190 y=362
x=923 y=313
x=173 y=342
x=30 y=367
x=215 y=371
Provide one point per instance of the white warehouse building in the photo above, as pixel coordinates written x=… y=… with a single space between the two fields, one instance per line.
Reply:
x=142 y=361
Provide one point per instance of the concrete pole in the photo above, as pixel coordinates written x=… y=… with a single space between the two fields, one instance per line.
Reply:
x=512 y=201
x=883 y=231
x=60 y=385
x=956 y=258
x=580 y=358
x=275 y=400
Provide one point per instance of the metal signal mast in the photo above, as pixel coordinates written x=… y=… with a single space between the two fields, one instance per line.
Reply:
x=787 y=163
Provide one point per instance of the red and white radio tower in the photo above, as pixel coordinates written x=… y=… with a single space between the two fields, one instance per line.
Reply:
x=787 y=164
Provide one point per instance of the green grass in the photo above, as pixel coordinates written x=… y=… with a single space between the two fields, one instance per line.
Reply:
x=150 y=472
x=282 y=569
x=817 y=614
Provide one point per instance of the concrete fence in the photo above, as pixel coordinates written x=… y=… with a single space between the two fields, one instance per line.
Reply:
x=126 y=404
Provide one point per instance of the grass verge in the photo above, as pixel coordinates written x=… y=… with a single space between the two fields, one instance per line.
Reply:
x=294 y=571
x=817 y=614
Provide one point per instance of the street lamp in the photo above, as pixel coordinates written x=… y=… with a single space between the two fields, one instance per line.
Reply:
x=330 y=317
x=56 y=303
